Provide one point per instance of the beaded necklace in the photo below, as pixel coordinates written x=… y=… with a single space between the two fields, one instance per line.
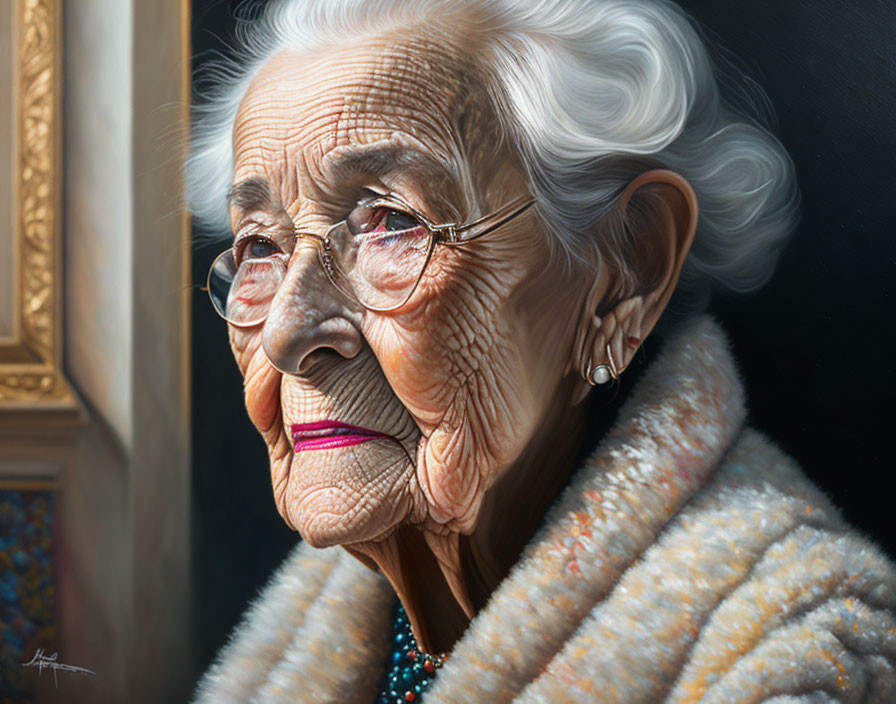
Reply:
x=409 y=671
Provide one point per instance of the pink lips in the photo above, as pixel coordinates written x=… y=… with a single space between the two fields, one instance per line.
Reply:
x=327 y=434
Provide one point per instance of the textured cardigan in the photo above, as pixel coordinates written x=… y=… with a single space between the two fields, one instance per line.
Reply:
x=688 y=560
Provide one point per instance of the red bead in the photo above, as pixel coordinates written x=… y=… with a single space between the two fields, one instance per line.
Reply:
x=409 y=696
x=430 y=666
x=412 y=655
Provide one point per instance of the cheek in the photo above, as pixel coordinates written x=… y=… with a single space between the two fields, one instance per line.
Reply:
x=485 y=427
x=428 y=354
x=458 y=350
x=261 y=381
x=457 y=367
x=416 y=363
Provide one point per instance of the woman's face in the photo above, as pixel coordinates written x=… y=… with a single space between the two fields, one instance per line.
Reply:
x=444 y=393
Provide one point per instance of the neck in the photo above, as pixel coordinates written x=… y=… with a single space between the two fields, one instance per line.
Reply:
x=514 y=507
x=444 y=579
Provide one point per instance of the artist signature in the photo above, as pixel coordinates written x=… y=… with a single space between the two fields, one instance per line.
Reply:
x=41 y=661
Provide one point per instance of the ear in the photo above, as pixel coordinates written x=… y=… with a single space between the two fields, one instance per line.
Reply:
x=658 y=213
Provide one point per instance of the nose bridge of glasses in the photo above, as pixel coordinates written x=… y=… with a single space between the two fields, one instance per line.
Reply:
x=302 y=267
x=306 y=236
x=324 y=244
x=302 y=271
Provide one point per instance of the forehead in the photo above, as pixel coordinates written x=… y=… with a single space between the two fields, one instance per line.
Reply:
x=302 y=108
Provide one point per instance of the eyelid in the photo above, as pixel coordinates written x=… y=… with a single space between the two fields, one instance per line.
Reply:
x=425 y=213
x=393 y=202
x=238 y=243
x=381 y=199
x=243 y=236
x=263 y=225
x=374 y=193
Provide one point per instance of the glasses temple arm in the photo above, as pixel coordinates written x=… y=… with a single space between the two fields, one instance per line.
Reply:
x=487 y=223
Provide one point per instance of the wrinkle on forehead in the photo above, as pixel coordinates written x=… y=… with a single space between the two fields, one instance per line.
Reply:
x=300 y=108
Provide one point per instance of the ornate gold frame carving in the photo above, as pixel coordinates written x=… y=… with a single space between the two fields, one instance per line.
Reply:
x=31 y=364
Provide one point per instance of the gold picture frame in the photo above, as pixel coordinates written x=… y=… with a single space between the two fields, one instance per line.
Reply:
x=31 y=375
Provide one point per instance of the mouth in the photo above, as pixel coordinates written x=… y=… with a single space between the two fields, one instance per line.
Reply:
x=327 y=434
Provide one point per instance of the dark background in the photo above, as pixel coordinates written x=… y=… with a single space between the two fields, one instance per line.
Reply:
x=814 y=347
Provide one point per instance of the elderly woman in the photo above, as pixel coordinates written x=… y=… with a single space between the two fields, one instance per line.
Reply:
x=454 y=227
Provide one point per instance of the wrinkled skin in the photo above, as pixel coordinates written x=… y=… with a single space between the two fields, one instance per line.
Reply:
x=476 y=378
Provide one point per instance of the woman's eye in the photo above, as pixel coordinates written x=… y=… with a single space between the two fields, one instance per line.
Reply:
x=370 y=217
x=388 y=227
x=396 y=220
x=254 y=247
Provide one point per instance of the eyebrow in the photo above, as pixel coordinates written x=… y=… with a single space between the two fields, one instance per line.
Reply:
x=377 y=159
x=252 y=194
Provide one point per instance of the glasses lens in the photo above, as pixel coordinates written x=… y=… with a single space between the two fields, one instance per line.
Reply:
x=381 y=251
x=242 y=294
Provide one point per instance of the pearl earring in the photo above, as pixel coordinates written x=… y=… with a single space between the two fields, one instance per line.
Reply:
x=599 y=375
x=602 y=373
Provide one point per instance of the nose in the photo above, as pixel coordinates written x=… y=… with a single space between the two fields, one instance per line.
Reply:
x=308 y=315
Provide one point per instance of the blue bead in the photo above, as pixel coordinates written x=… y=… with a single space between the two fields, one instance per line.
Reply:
x=403 y=674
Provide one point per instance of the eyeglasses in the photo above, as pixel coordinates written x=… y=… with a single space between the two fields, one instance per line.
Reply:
x=376 y=257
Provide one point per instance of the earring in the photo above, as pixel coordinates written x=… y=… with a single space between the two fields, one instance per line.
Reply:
x=601 y=374
x=613 y=370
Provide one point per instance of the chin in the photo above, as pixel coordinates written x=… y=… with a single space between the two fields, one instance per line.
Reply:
x=349 y=494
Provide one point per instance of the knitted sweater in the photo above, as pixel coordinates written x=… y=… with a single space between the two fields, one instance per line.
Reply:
x=688 y=560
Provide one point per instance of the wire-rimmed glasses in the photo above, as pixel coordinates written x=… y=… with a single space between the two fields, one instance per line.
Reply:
x=376 y=257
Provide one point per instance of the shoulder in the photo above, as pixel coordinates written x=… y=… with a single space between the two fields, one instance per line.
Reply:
x=757 y=588
x=814 y=606
x=284 y=643
x=268 y=625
